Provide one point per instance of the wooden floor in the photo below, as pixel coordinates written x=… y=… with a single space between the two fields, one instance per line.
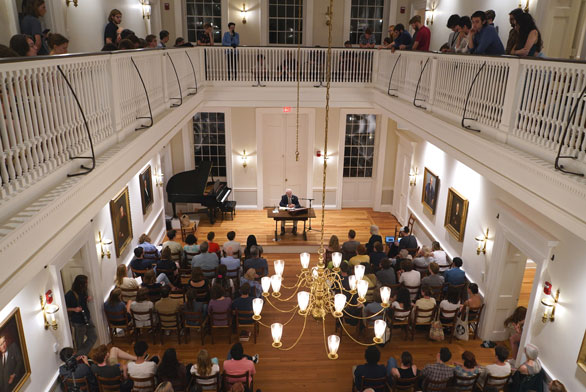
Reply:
x=306 y=367
x=527 y=284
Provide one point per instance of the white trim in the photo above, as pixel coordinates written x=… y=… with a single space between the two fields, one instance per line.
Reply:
x=263 y=17
x=307 y=32
x=188 y=158
x=346 y=16
x=247 y=207
x=225 y=17
x=380 y=145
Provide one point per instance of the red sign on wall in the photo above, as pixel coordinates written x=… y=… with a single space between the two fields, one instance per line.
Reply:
x=167 y=7
x=402 y=10
x=286 y=109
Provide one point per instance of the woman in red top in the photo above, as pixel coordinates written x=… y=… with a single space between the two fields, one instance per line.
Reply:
x=213 y=247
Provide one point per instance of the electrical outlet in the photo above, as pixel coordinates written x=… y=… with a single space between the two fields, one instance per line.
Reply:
x=55 y=347
x=483 y=276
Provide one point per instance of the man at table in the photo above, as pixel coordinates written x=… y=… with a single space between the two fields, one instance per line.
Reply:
x=289 y=200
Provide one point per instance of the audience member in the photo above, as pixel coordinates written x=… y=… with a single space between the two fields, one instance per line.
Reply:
x=30 y=24
x=490 y=17
x=514 y=323
x=150 y=250
x=109 y=48
x=206 y=261
x=440 y=256
x=401 y=304
x=402 y=38
x=367 y=40
x=422 y=36
x=250 y=279
x=434 y=279
x=111 y=31
x=532 y=365
x=409 y=277
x=468 y=368
x=557 y=386
x=101 y=366
x=449 y=304
x=213 y=247
x=371 y=369
x=500 y=368
x=406 y=241
x=224 y=281
x=405 y=370
x=250 y=241
x=171 y=243
x=23 y=45
x=142 y=304
x=426 y=302
x=372 y=308
x=151 y=41
x=114 y=304
x=58 y=44
x=219 y=305
x=423 y=258
x=179 y=42
x=439 y=371
x=5 y=52
x=81 y=370
x=377 y=255
x=166 y=266
x=167 y=304
x=231 y=262
x=361 y=257
x=332 y=247
x=199 y=284
x=349 y=247
x=236 y=249
x=193 y=305
x=258 y=263
x=231 y=37
x=374 y=237
x=205 y=37
x=122 y=280
x=139 y=262
x=141 y=368
x=463 y=38
x=386 y=276
x=163 y=39
x=238 y=364
x=191 y=244
x=205 y=367
x=244 y=301
x=149 y=281
x=84 y=331
x=474 y=300
x=171 y=370
x=456 y=275
x=165 y=386
x=484 y=38
x=454 y=25
x=513 y=33
x=529 y=41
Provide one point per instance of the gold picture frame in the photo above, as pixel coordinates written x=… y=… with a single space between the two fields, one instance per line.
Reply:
x=145 y=182
x=429 y=193
x=121 y=221
x=456 y=214
x=581 y=361
x=17 y=355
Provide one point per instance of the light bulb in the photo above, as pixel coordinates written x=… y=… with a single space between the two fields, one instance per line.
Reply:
x=265 y=282
x=339 y=303
x=333 y=344
x=276 y=284
x=303 y=301
x=314 y=272
x=279 y=267
x=362 y=286
x=385 y=294
x=257 y=307
x=379 y=330
x=304 y=257
x=359 y=271
x=277 y=332
x=336 y=259
x=352 y=282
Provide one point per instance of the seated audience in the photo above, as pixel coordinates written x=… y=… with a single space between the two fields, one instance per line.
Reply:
x=405 y=370
x=434 y=279
x=224 y=281
x=405 y=241
x=332 y=247
x=361 y=257
x=455 y=276
x=484 y=38
x=349 y=247
x=236 y=249
x=150 y=282
x=142 y=304
x=514 y=323
x=213 y=247
x=193 y=305
x=166 y=266
x=231 y=262
x=371 y=369
x=468 y=368
x=244 y=301
x=165 y=386
x=256 y=262
x=219 y=304
x=376 y=256
x=401 y=304
x=139 y=263
x=80 y=371
x=409 y=277
x=199 y=284
x=557 y=386
x=114 y=304
x=205 y=260
x=439 y=371
x=449 y=304
x=529 y=42
x=5 y=52
x=150 y=250
x=386 y=276
x=370 y=277
x=122 y=280
x=373 y=308
x=23 y=45
x=58 y=44
x=205 y=367
x=250 y=241
x=101 y=366
x=141 y=368
x=171 y=370
x=374 y=237
x=440 y=256
x=426 y=302
x=463 y=38
x=532 y=365
x=500 y=368
x=474 y=300
x=238 y=364
x=167 y=304
x=175 y=246
x=151 y=41
x=191 y=245
x=423 y=258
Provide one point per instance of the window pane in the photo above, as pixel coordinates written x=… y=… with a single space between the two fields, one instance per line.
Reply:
x=209 y=141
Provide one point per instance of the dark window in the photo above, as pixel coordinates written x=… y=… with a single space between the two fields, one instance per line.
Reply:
x=210 y=141
x=200 y=12
x=359 y=145
x=284 y=26
x=364 y=14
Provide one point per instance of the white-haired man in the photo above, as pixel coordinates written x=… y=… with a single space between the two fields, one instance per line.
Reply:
x=291 y=201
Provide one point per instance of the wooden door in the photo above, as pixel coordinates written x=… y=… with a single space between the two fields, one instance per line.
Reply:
x=562 y=28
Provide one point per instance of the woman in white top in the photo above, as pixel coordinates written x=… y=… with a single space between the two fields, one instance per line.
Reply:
x=451 y=303
x=402 y=304
x=462 y=43
x=205 y=367
x=440 y=257
x=142 y=304
x=122 y=279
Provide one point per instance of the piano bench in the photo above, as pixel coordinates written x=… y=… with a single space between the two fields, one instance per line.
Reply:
x=229 y=206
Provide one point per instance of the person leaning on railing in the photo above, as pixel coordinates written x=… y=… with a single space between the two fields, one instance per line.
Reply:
x=529 y=42
x=402 y=38
x=484 y=38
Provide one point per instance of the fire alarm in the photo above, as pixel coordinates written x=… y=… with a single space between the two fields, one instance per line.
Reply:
x=49 y=297
x=318 y=153
x=402 y=10
x=547 y=288
x=168 y=7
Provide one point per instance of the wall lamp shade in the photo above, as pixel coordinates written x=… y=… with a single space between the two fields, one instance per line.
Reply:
x=481 y=240
x=304 y=257
x=379 y=330
x=265 y=282
x=359 y=272
x=49 y=309
x=550 y=302
x=243 y=12
x=74 y=2
x=257 y=304
x=277 y=332
x=333 y=344
x=146 y=10
x=413 y=177
x=336 y=260
x=159 y=177
x=104 y=245
x=279 y=267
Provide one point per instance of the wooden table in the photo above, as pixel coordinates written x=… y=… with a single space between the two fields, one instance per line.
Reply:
x=284 y=215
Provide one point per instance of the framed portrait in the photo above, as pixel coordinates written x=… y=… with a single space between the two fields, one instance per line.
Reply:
x=456 y=213
x=145 y=180
x=121 y=221
x=430 y=191
x=582 y=355
x=16 y=368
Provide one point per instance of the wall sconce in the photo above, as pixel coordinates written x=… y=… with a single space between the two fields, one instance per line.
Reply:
x=159 y=177
x=243 y=12
x=482 y=239
x=104 y=245
x=429 y=19
x=49 y=309
x=74 y=2
x=413 y=177
x=526 y=9
x=146 y=10
x=550 y=302
x=244 y=158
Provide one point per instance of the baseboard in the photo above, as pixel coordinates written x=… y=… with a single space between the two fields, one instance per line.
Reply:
x=386 y=208
x=247 y=207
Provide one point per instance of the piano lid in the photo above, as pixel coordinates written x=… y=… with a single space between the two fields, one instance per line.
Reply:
x=191 y=182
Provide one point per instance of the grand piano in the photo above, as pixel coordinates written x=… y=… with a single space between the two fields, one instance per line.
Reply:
x=192 y=186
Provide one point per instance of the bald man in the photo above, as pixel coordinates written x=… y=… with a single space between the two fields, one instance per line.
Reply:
x=291 y=201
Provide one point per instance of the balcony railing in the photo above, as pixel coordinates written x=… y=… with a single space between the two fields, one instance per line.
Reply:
x=524 y=103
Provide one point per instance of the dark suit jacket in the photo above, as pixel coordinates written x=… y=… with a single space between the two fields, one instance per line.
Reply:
x=285 y=201
x=13 y=365
x=408 y=242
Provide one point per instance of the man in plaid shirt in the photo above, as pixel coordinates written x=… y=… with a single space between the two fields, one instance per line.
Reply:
x=439 y=371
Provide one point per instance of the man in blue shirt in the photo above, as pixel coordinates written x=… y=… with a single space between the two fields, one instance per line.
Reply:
x=402 y=38
x=483 y=38
x=231 y=38
x=455 y=276
x=205 y=261
x=139 y=262
x=256 y=262
x=367 y=40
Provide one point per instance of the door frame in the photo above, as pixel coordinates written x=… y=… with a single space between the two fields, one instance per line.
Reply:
x=310 y=145
x=537 y=245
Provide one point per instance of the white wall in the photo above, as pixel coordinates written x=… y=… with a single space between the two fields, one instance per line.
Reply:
x=558 y=342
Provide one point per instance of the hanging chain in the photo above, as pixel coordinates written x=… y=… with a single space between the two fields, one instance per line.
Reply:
x=298 y=77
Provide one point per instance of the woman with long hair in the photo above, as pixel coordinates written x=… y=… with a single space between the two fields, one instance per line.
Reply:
x=529 y=41
x=198 y=283
x=31 y=25
x=111 y=35
x=23 y=45
x=170 y=369
x=449 y=304
x=468 y=368
x=515 y=323
x=406 y=368
x=122 y=280
x=142 y=304
x=84 y=331
x=219 y=304
x=205 y=367
x=333 y=246
x=402 y=304
x=222 y=279
x=114 y=304
x=250 y=241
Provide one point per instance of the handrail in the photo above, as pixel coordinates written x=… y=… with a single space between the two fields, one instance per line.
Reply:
x=194 y=75
x=391 y=77
x=468 y=100
x=417 y=88
x=146 y=93
x=175 y=105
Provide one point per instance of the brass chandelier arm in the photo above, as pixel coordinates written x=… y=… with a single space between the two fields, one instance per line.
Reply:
x=323 y=323
x=364 y=318
x=300 y=280
x=288 y=321
x=298 y=337
x=352 y=337
x=280 y=310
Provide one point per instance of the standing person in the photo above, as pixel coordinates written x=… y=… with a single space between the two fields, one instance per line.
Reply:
x=84 y=331
x=422 y=36
x=205 y=37
x=57 y=44
x=31 y=25
x=231 y=38
x=151 y=41
x=289 y=200
x=367 y=40
x=529 y=41
x=513 y=33
x=484 y=38
x=163 y=39
x=111 y=31
x=454 y=25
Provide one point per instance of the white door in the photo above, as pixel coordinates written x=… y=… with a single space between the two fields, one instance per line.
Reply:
x=562 y=28
x=404 y=187
x=280 y=168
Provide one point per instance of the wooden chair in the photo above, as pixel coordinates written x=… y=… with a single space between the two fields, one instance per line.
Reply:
x=226 y=384
x=109 y=384
x=423 y=271
x=413 y=291
x=194 y=320
x=170 y=274
x=261 y=272
x=147 y=328
x=209 y=274
x=465 y=384
x=195 y=378
x=176 y=256
x=425 y=317
x=462 y=289
x=448 y=319
x=394 y=321
x=151 y=254
x=137 y=272
x=244 y=321
x=70 y=384
x=216 y=322
x=411 y=222
x=189 y=229
x=146 y=384
x=236 y=279
x=437 y=292
x=170 y=322
x=394 y=288
x=118 y=320
x=128 y=294
x=178 y=295
x=474 y=315
x=405 y=384
x=493 y=383
x=184 y=276
x=189 y=256
x=155 y=294
x=436 y=386
x=378 y=384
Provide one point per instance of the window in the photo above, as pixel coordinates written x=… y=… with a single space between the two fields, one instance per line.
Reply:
x=200 y=12
x=359 y=145
x=364 y=14
x=284 y=22
x=209 y=136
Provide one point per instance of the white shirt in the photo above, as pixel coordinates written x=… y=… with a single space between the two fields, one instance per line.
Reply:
x=441 y=260
x=144 y=370
x=410 y=278
x=448 y=306
x=214 y=371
